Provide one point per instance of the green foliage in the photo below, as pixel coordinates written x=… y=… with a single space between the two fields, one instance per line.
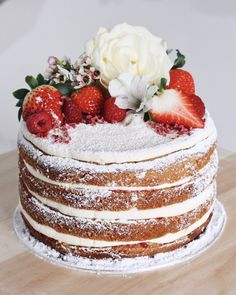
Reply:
x=179 y=61
x=31 y=81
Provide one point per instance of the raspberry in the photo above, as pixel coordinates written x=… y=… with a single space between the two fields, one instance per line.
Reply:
x=40 y=123
x=72 y=111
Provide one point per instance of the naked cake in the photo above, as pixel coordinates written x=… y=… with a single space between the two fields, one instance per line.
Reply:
x=117 y=154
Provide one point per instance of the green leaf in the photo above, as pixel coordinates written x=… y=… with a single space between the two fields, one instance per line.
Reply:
x=146 y=117
x=65 y=89
x=179 y=61
x=40 y=79
x=163 y=83
x=19 y=103
x=31 y=81
x=20 y=93
x=19 y=113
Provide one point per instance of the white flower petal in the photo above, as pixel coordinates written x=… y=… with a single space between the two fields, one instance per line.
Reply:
x=63 y=71
x=151 y=90
x=123 y=103
x=129 y=49
x=132 y=92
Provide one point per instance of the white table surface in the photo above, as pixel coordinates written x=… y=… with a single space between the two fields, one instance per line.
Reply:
x=205 y=31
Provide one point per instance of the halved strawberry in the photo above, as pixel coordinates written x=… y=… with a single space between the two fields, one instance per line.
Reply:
x=90 y=100
x=181 y=80
x=43 y=98
x=175 y=107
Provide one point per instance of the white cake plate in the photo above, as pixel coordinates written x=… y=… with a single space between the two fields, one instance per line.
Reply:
x=125 y=265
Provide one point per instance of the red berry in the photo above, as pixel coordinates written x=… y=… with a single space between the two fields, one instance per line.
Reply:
x=43 y=98
x=39 y=123
x=181 y=80
x=89 y=99
x=112 y=113
x=175 y=107
x=72 y=111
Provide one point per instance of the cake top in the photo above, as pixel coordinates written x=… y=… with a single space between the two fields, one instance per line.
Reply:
x=123 y=100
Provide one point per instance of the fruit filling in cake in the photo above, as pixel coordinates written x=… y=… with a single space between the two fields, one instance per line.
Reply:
x=117 y=153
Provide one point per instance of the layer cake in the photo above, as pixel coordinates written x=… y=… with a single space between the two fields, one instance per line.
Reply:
x=122 y=163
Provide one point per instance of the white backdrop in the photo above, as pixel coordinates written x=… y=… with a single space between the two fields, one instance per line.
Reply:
x=204 y=30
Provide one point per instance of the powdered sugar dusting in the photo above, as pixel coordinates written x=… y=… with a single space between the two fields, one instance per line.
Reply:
x=62 y=163
x=91 y=197
x=125 y=265
x=116 y=143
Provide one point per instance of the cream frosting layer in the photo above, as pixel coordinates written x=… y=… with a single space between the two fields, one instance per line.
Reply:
x=62 y=164
x=134 y=213
x=116 y=143
x=85 y=242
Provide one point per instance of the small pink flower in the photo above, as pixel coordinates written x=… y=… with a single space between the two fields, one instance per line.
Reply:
x=52 y=60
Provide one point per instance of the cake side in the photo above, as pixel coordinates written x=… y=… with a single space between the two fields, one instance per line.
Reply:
x=108 y=222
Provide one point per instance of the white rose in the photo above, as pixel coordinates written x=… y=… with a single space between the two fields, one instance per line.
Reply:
x=129 y=49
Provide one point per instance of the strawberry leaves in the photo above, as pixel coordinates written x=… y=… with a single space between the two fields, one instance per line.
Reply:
x=20 y=94
x=179 y=62
x=35 y=82
x=40 y=79
x=31 y=81
x=20 y=113
x=162 y=86
x=64 y=88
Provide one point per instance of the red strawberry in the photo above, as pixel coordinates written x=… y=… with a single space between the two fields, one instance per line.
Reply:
x=112 y=113
x=39 y=123
x=175 y=107
x=89 y=99
x=43 y=98
x=72 y=111
x=181 y=80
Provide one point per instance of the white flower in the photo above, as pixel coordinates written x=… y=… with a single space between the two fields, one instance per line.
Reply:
x=65 y=73
x=132 y=92
x=129 y=49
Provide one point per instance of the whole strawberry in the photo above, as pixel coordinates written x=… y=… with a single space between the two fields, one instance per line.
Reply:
x=112 y=113
x=181 y=80
x=43 y=98
x=89 y=99
x=72 y=111
x=39 y=123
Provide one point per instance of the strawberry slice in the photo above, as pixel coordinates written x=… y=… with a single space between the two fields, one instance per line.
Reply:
x=181 y=80
x=175 y=107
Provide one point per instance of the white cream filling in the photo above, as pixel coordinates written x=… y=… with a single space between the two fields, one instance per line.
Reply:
x=134 y=213
x=84 y=242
